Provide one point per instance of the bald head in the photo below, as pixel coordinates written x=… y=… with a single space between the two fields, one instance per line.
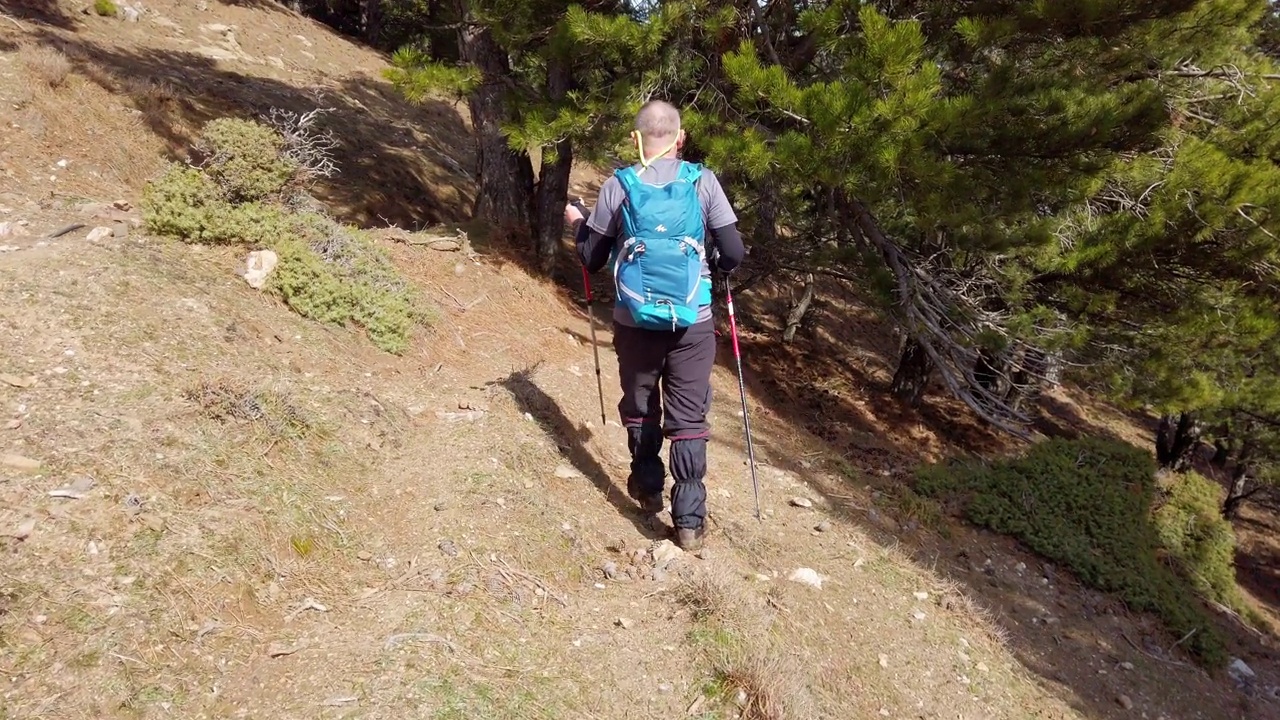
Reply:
x=658 y=123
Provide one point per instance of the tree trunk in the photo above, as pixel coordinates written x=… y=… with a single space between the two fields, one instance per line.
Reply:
x=1037 y=370
x=798 y=309
x=1221 y=453
x=1175 y=441
x=371 y=20
x=989 y=370
x=442 y=44
x=912 y=377
x=553 y=177
x=504 y=198
x=1237 y=493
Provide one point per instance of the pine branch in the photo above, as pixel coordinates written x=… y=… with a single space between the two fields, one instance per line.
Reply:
x=1224 y=73
x=926 y=306
x=758 y=18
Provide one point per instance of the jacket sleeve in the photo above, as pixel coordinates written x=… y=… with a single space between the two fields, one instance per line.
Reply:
x=593 y=247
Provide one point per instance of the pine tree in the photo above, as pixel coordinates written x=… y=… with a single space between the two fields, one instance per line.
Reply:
x=1173 y=264
x=522 y=78
x=934 y=158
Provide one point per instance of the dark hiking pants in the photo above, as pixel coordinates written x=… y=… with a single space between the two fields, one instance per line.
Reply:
x=666 y=393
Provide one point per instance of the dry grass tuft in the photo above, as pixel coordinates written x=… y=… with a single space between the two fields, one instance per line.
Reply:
x=744 y=657
x=714 y=597
x=47 y=65
x=764 y=688
x=225 y=398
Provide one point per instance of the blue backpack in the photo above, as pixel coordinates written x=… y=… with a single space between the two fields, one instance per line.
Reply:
x=658 y=268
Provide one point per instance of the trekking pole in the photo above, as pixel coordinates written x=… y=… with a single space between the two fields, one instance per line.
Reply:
x=591 y=318
x=742 y=390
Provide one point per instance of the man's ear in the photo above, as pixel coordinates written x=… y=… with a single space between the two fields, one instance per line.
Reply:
x=680 y=139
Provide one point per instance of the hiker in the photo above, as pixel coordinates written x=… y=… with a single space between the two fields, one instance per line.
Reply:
x=651 y=223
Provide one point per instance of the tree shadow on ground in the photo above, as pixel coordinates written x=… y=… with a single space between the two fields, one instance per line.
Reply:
x=44 y=12
x=1258 y=565
x=398 y=164
x=571 y=440
x=1072 y=638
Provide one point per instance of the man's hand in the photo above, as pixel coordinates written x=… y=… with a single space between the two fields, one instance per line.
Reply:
x=572 y=215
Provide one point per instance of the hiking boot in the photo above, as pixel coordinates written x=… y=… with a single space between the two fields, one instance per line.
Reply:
x=690 y=539
x=651 y=504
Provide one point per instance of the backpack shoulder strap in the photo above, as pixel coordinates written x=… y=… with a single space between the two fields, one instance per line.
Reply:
x=628 y=178
x=690 y=172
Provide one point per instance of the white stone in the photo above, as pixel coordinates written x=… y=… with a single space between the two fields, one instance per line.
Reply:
x=807 y=576
x=259 y=266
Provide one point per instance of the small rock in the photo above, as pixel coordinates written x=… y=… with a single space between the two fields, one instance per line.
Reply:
x=441 y=505
x=806 y=576
x=364 y=556
x=610 y=570
x=921 y=596
x=280 y=648
x=122 y=205
x=23 y=530
x=130 y=14
x=1125 y=702
x=740 y=698
x=11 y=229
x=18 y=381
x=259 y=266
x=824 y=526
x=802 y=502
x=469 y=416
x=1126 y=666
x=448 y=548
x=625 y=623
x=77 y=490
x=99 y=233
x=659 y=576
x=18 y=462
x=566 y=472
x=1239 y=670
x=918 y=615
x=664 y=687
x=665 y=553
x=884 y=660
x=982 y=667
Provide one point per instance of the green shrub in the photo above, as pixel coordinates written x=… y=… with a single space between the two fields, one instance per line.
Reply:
x=1087 y=505
x=326 y=272
x=245 y=159
x=332 y=274
x=1201 y=542
x=105 y=8
x=185 y=203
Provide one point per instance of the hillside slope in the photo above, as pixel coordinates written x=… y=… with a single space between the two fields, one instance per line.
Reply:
x=214 y=508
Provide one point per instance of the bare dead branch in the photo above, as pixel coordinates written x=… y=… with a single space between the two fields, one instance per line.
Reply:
x=310 y=148
x=947 y=314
